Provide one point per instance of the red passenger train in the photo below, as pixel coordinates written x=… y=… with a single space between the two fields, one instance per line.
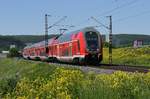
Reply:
x=82 y=46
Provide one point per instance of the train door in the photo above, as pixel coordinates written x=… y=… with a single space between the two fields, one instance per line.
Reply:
x=57 y=50
x=70 y=49
x=74 y=47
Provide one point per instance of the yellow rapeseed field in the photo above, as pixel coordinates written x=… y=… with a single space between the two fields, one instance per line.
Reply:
x=129 y=56
x=73 y=84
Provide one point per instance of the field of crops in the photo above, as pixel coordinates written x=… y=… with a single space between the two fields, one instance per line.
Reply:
x=129 y=56
x=23 y=79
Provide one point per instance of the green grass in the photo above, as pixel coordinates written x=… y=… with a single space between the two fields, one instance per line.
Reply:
x=24 y=68
x=12 y=70
x=129 y=56
x=24 y=79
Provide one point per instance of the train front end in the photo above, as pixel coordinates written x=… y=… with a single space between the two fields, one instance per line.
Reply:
x=93 y=41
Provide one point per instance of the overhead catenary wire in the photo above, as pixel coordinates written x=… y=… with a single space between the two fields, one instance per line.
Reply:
x=118 y=8
x=132 y=16
x=99 y=22
x=60 y=26
x=63 y=18
x=110 y=11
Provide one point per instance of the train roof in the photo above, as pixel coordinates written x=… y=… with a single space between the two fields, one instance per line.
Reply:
x=40 y=44
x=67 y=36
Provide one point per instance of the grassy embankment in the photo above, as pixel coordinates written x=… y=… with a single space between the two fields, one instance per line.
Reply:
x=29 y=80
x=129 y=56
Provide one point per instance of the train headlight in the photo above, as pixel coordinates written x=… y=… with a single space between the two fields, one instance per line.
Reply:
x=97 y=49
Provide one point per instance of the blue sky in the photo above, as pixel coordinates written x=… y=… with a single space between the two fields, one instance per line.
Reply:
x=26 y=17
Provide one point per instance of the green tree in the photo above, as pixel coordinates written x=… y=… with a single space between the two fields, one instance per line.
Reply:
x=13 y=52
x=106 y=44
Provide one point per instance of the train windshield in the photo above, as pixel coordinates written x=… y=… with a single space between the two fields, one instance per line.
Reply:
x=92 y=40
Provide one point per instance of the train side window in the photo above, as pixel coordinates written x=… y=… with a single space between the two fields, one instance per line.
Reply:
x=32 y=53
x=65 y=52
x=43 y=53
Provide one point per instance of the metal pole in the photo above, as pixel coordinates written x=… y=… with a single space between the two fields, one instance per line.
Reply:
x=110 y=40
x=46 y=32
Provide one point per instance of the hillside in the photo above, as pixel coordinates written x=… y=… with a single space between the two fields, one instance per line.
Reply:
x=6 y=41
x=30 y=38
x=120 y=40
x=19 y=40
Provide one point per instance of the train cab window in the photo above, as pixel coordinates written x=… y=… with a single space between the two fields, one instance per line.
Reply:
x=91 y=40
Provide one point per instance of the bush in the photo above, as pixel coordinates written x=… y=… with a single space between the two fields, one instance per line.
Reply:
x=106 y=44
x=7 y=85
x=13 y=52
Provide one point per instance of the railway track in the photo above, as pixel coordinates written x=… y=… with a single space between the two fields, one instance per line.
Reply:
x=128 y=68
x=105 y=68
x=108 y=68
x=85 y=68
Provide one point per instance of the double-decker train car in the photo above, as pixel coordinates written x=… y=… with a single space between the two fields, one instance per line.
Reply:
x=81 y=46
